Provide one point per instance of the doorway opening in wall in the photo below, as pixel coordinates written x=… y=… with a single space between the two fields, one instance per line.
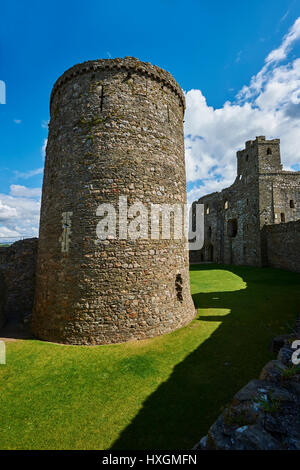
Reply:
x=232 y=228
x=282 y=217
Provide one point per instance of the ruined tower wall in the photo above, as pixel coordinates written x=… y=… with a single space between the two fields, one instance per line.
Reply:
x=116 y=129
x=17 y=279
x=262 y=194
x=279 y=195
x=282 y=244
x=232 y=234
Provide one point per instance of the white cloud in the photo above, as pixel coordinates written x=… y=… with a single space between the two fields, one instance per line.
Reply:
x=284 y=17
x=43 y=149
x=28 y=174
x=281 y=52
x=269 y=106
x=6 y=212
x=19 y=212
x=23 y=191
x=238 y=57
x=44 y=124
x=7 y=234
x=17 y=121
x=273 y=58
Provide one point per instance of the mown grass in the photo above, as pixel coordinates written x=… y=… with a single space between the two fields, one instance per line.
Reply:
x=162 y=393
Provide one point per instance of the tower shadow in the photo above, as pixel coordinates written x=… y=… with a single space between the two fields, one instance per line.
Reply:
x=183 y=408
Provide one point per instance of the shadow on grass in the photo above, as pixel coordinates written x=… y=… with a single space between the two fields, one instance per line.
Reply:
x=182 y=409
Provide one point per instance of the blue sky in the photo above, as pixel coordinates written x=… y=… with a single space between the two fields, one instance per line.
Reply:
x=213 y=49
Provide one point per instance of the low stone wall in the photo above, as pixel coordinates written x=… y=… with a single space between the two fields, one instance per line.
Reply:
x=265 y=414
x=282 y=245
x=2 y=300
x=17 y=279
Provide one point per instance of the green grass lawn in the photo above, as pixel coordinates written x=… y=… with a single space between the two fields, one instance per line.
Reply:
x=161 y=393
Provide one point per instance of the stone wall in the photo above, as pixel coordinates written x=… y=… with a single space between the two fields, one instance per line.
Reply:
x=116 y=129
x=17 y=279
x=282 y=245
x=2 y=300
x=265 y=414
x=231 y=233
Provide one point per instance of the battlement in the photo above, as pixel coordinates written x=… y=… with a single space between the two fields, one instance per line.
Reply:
x=261 y=139
x=128 y=63
x=259 y=156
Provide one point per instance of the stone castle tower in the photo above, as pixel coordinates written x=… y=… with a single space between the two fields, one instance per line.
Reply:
x=116 y=129
x=262 y=195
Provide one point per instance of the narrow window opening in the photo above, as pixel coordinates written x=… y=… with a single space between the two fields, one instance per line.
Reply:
x=178 y=287
x=207 y=210
x=226 y=205
x=292 y=204
x=282 y=217
x=101 y=98
x=209 y=231
x=269 y=151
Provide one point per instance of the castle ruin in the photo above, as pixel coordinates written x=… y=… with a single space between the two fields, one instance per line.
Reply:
x=116 y=129
x=254 y=221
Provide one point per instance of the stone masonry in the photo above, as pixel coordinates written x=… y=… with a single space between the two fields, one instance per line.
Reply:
x=281 y=244
x=116 y=129
x=17 y=280
x=262 y=195
x=265 y=414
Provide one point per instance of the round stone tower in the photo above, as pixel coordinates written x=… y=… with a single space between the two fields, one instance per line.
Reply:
x=116 y=132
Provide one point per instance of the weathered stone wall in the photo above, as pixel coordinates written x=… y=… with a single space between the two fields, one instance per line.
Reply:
x=17 y=279
x=116 y=129
x=265 y=414
x=2 y=300
x=282 y=245
x=231 y=229
x=279 y=197
x=263 y=194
